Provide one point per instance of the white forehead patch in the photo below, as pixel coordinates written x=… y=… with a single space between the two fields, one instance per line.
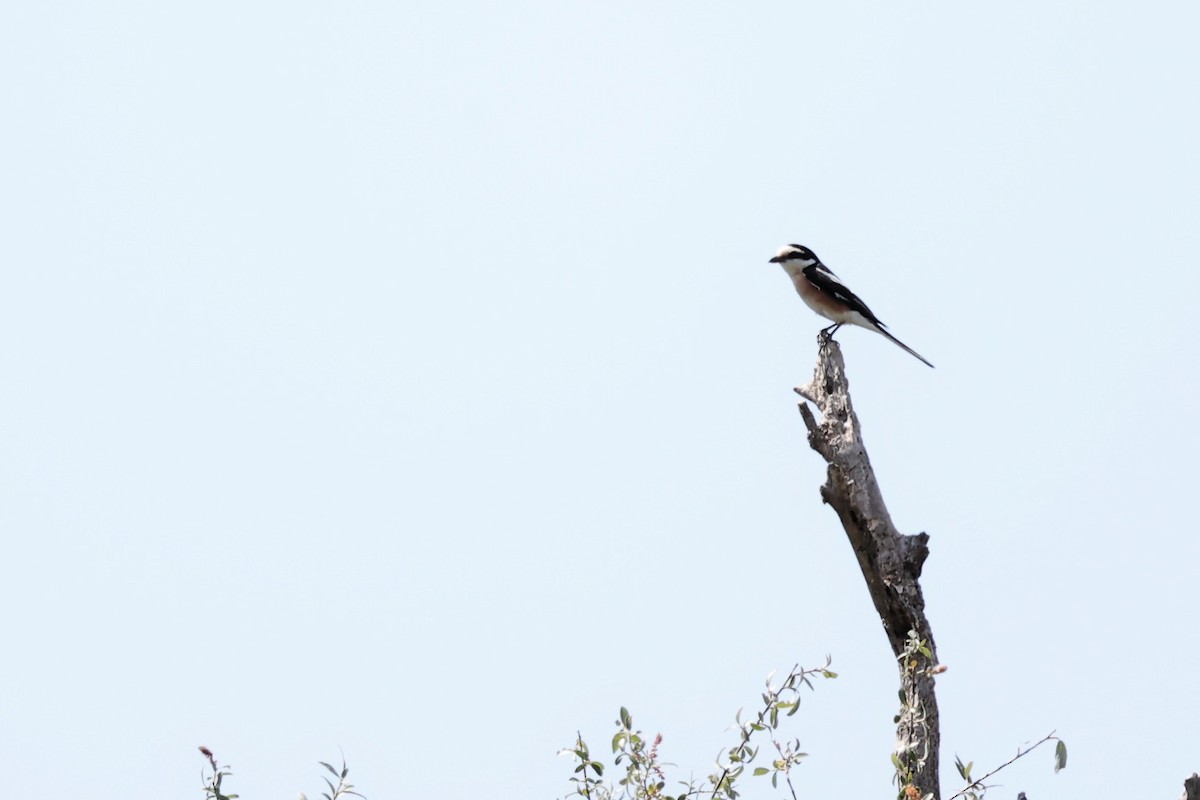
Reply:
x=795 y=256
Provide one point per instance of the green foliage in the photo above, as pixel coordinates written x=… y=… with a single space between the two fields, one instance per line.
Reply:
x=343 y=788
x=645 y=774
x=916 y=662
x=213 y=776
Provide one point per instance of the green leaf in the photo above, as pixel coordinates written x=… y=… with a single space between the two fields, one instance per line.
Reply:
x=596 y=765
x=828 y=673
x=1060 y=755
x=626 y=720
x=775 y=781
x=328 y=766
x=761 y=770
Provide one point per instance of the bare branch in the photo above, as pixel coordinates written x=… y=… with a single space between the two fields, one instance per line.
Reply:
x=890 y=561
x=981 y=781
x=1191 y=788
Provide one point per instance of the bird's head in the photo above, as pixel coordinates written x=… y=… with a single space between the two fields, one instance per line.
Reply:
x=795 y=255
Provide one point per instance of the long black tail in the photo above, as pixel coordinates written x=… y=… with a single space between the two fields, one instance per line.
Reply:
x=906 y=347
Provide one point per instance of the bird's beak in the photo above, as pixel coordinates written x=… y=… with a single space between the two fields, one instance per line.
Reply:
x=775 y=260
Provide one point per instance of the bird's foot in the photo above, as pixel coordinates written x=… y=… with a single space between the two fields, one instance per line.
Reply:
x=826 y=334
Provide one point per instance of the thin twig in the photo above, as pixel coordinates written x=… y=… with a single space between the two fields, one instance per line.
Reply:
x=1019 y=754
x=797 y=676
x=748 y=731
x=787 y=775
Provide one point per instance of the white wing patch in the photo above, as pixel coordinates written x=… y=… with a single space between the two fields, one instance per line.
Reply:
x=827 y=272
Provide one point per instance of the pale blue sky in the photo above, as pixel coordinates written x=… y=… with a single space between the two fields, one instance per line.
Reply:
x=410 y=378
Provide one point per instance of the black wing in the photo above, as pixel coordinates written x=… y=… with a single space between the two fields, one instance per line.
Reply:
x=820 y=276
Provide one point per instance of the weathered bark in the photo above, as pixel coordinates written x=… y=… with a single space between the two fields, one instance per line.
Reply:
x=1191 y=788
x=890 y=562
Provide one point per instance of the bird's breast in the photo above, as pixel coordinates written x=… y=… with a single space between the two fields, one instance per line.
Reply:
x=818 y=301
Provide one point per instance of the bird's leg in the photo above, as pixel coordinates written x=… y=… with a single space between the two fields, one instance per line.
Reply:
x=826 y=334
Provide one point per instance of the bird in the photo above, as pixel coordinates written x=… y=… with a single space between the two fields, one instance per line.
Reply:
x=824 y=293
